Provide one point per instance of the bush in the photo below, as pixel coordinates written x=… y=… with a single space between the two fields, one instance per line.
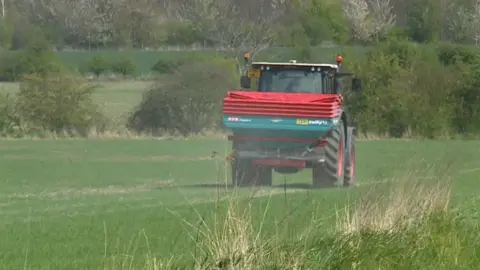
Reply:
x=169 y=66
x=10 y=67
x=37 y=58
x=450 y=54
x=124 y=67
x=190 y=102
x=57 y=103
x=166 y=66
x=97 y=65
x=9 y=121
x=182 y=33
x=406 y=89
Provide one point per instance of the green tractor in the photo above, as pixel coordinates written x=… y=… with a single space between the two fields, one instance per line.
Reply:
x=289 y=117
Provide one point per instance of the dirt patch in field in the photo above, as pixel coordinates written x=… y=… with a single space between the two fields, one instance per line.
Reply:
x=108 y=190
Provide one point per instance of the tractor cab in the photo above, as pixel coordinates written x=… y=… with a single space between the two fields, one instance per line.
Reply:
x=293 y=77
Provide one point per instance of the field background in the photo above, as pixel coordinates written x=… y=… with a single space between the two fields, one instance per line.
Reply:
x=144 y=60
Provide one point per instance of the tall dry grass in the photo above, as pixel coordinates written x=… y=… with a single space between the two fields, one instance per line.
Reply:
x=419 y=191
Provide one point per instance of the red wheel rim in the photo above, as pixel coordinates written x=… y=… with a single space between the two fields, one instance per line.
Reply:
x=352 y=163
x=340 y=158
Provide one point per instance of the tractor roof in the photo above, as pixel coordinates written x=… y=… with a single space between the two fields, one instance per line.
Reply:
x=294 y=63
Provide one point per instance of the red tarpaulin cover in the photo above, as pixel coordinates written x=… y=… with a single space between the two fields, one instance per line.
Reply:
x=307 y=105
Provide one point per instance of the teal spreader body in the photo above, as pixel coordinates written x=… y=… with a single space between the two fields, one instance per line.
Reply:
x=278 y=127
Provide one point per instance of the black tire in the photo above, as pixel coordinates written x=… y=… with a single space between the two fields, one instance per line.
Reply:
x=331 y=173
x=244 y=173
x=350 y=179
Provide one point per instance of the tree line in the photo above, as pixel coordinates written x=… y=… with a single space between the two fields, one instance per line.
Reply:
x=150 y=24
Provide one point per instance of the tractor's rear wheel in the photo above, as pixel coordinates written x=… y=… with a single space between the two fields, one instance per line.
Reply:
x=244 y=173
x=331 y=173
x=350 y=179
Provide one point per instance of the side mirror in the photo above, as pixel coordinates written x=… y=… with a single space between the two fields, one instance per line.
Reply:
x=245 y=82
x=356 y=84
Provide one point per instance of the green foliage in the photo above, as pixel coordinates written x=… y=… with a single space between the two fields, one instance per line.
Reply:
x=418 y=90
x=9 y=121
x=11 y=68
x=323 y=21
x=124 y=67
x=425 y=20
x=57 y=103
x=6 y=33
x=166 y=66
x=170 y=65
x=406 y=89
x=97 y=65
x=451 y=54
x=442 y=241
x=190 y=102
x=36 y=58
x=181 y=33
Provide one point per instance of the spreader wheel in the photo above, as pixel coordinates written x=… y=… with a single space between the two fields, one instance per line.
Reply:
x=349 y=179
x=244 y=173
x=331 y=173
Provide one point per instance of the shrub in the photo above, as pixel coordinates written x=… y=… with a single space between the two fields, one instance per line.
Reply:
x=36 y=58
x=39 y=58
x=181 y=33
x=450 y=54
x=406 y=89
x=10 y=67
x=97 y=65
x=57 y=103
x=9 y=121
x=189 y=103
x=124 y=67
x=169 y=66
x=166 y=66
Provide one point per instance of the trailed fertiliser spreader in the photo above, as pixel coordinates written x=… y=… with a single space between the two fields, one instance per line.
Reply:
x=289 y=117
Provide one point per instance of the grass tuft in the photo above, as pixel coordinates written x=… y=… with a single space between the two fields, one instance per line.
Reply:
x=418 y=193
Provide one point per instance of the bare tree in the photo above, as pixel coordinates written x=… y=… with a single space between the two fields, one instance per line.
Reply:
x=463 y=21
x=459 y=22
x=475 y=15
x=224 y=23
x=94 y=21
x=139 y=21
x=369 y=19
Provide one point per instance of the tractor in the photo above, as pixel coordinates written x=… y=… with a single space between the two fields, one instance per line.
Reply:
x=288 y=117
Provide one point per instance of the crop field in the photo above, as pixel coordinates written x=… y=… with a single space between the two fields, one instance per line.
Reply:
x=76 y=204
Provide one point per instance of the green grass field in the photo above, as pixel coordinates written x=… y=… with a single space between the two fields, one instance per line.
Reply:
x=71 y=204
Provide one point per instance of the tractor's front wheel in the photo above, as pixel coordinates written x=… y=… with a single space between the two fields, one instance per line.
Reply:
x=244 y=173
x=331 y=173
